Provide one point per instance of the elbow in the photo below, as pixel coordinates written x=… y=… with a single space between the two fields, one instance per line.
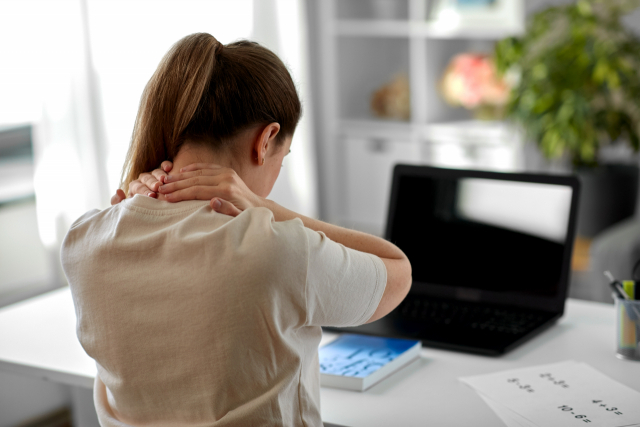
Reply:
x=398 y=285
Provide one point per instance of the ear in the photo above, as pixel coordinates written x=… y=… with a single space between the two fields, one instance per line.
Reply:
x=265 y=141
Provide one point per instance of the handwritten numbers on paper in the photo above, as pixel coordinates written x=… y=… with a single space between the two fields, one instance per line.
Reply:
x=566 y=408
x=609 y=409
x=517 y=383
x=554 y=380
x=587 y=396
x=584 y=418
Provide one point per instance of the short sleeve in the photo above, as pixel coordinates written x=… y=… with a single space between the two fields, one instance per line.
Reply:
x=344 y=286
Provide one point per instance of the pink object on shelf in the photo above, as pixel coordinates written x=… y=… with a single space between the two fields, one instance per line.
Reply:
x=471 y=81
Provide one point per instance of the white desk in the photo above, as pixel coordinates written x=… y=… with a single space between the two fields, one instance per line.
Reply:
x=37 y=338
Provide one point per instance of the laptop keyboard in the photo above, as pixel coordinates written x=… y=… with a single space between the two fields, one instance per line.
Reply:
x=462 y=315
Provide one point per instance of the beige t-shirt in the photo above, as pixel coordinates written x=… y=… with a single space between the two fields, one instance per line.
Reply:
x=195 y=318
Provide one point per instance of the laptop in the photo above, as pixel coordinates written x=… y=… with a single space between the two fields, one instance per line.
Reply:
x=490 y=253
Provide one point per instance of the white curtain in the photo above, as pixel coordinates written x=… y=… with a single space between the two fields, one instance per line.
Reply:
x=77 y=68
x=70 y=175
x=46 y=80
x=280 y=25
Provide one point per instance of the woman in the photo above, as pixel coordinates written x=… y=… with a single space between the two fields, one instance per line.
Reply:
x=208 y=312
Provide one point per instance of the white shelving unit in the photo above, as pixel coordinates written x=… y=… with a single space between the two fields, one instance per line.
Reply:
x=395 y=28
x=16 y=180
x=357 y=47
x=16 y=163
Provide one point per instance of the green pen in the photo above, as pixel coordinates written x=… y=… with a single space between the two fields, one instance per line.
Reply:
x=629 y=287
x=620 y=291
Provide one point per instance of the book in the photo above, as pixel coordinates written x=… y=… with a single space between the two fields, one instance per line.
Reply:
x=356 y=362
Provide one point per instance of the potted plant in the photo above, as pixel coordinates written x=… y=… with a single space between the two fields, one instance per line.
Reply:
x=578 y=89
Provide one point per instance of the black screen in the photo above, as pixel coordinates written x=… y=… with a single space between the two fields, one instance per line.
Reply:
x=482 y=234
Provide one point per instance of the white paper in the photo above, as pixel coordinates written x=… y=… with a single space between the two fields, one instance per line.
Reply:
x=510 y=418
x=561 y=394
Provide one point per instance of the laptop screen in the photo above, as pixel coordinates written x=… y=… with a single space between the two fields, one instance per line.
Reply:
x=505 y=238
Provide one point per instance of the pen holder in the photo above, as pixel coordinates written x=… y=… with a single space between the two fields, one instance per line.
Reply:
x=628 y=328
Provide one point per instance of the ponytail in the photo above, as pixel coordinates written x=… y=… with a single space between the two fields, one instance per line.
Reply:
x=205 y=92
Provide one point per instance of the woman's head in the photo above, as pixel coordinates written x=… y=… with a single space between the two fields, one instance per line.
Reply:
x=207 y=95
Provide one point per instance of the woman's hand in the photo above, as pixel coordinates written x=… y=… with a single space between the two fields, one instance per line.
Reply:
x=227 y=193
x=147 y=183
x=118 y=197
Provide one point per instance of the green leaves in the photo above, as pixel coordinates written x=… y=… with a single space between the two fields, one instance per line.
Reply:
x=584 y=8
x=579 y=82
x=601 y=71
x=508 y=52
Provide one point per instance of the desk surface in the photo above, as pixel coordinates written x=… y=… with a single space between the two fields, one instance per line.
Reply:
x=37 y=338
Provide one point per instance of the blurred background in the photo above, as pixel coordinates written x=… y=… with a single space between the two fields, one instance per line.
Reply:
x=508 y=85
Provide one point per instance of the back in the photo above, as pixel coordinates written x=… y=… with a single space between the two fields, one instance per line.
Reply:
x=197 y=318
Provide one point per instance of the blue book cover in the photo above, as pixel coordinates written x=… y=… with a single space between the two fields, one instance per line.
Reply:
x=362 y=357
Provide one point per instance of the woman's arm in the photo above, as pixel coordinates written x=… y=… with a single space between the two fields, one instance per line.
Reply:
x=396 y=262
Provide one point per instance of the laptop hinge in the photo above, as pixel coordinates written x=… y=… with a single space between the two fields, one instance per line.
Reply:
x=467 y=294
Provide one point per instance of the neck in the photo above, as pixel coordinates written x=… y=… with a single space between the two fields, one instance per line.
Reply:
x=190 y=154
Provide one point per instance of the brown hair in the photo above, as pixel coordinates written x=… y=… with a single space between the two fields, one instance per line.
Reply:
x=207 y=93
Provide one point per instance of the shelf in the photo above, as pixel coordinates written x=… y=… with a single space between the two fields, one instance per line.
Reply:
x=467 y=132
x=419 y=29
x=16 y=180
x=372 y=28
x=378 y=129
x=471 y=132
x=484 y=32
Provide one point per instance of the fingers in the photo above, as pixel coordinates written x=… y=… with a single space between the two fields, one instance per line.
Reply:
x=199 y=172
x=152 y=180
x=118 y=197
x=166 y=166
x=196 y=166
x=160 y=176
x=141 y=185
x=195 y=180
x=222 y=206
x=147 y=184
x=137 y=187
x=199 y=192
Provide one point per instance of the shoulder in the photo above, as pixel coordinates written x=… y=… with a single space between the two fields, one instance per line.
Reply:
x=80 y=225
x=258 y=227
x=272 y=260
x=85 y=219
x=87 y=231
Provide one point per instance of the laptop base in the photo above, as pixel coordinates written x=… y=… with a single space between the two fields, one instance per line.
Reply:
x=461 y=337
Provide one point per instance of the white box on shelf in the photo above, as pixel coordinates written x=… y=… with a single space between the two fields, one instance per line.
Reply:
x=475 y=144
x=499 y=17
x=472 y=132
x=377 y=129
